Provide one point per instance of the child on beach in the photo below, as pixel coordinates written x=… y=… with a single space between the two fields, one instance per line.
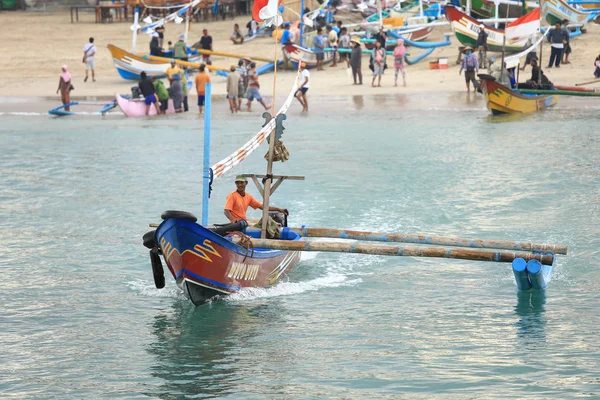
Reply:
x=399 y=52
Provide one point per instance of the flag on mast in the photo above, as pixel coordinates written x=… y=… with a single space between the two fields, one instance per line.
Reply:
x=523 y=27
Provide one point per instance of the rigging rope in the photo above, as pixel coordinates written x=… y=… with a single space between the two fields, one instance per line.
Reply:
x=238 y=156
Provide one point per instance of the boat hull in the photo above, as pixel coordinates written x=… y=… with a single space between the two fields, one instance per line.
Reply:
x=307 y=56
x=205 y=264
x=502 y=100
x=466 y=30
x=555 y=11
x=130 y=66
x=137 y=108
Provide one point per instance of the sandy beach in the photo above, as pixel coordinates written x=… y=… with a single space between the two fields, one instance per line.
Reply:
x=37 y=44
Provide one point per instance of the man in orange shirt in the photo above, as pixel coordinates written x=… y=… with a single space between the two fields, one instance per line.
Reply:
x=201 y=80
x=238 y=202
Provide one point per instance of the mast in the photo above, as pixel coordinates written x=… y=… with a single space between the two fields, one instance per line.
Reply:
x=206 y=168
x=503 y=47
x=187 y=22
x=301 y=23
x=135 y=27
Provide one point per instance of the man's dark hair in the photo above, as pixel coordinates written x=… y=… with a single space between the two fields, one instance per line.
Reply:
x=319 y=30
x=91 y=40
x=143 y=75
x=252 y=64
x=202 y=67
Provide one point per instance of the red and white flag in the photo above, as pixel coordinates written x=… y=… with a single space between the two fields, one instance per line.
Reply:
x=523 y=27
x=266 y=11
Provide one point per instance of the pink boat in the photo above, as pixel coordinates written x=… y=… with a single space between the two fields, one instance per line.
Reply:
x=137 y=107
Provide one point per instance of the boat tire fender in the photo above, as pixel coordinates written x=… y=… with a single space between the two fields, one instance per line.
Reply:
x=157 y=269
x=148 y=239
x=179 y=215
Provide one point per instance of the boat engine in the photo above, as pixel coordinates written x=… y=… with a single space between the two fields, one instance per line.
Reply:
x=157 y=267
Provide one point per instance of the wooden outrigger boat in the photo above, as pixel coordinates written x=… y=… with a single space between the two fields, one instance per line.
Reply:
x=61 y=112
x=555 y=11
x=137 y=107
x=204 y=259
x=466 y=30
x=487 y=8
x=503 y=100
x=299 y=54
x=130 y=66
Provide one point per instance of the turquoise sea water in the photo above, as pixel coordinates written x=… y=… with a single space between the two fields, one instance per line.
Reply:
x=81 y=318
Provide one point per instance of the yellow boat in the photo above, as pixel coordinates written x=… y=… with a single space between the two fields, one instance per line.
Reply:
x=503 y=100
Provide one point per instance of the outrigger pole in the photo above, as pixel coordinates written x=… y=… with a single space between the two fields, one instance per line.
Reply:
x=409 y=251
x=430 y=239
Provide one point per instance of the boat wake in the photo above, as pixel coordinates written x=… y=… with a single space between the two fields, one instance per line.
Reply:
x=147 y=288
x=331 y=280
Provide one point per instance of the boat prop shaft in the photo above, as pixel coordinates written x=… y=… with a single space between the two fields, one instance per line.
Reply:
x=390 y=250
x=425 y=239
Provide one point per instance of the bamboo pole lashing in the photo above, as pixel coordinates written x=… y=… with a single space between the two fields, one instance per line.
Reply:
x=356 y=247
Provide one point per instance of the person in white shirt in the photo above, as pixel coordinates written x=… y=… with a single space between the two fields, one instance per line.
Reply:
x=304 y=85
x=89 y=51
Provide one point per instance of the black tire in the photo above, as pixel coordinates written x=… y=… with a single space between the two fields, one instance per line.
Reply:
x=148 y=240
x=179 y=215
x=157 y=270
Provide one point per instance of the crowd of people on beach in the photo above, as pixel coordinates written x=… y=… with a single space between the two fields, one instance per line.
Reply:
x=333 y=38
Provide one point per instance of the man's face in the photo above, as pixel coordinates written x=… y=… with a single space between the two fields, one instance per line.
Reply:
x=241 y=186
x=205 y=33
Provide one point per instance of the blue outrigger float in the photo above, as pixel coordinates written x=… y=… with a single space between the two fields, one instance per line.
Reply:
x=61 y=112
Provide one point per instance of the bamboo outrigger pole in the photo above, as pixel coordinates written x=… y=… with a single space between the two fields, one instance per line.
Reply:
x=426 y=239
x=408 y=251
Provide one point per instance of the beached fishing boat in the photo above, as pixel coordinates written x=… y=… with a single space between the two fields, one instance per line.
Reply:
x=61 y=112
x=466 y=30
x=137 y=107
x=555 y=11
x=487 y=9
x=130 y=66
x=298 y=53
x=503 y=100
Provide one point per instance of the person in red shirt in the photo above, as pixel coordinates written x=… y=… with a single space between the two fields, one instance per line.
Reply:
x=238 y=202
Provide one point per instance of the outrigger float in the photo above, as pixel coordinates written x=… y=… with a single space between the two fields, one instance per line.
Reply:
x=61 y=112
x=208 y=261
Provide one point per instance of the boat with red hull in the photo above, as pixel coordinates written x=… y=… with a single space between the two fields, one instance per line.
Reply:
x=205 y=262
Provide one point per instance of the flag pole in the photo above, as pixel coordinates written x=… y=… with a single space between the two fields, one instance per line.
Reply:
x=206 y=170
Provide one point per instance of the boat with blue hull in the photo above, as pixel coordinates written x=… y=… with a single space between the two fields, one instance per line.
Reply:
x=205 y=262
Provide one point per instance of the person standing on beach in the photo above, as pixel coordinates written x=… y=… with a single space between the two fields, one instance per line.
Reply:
x=64 y=86
x=89 y=51
x=162 y=93
x=470 y=65
x=568 y=44
x=482 y=46
x=381 y=37
x=253 y=88
x=318 y=49
x=176 y=93
x=286 y=39
x=184 y=86
x=399 y=52
x=161 y=35
x=242 y=71
x=557 y=38
x=344 y=40
x=356 y=60
x=155 y=49
x=378 y=61
x=201 y=80
x=597 y=67
x=233 y=87
x=301 y=92
x=206 y=42
x=332 y=37
x=172 y=70
x=180 y=49
x=147 y=89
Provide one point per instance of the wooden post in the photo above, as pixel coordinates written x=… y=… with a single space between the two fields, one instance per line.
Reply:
x=427 y=239
x=503 y=45
x=388 y=250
